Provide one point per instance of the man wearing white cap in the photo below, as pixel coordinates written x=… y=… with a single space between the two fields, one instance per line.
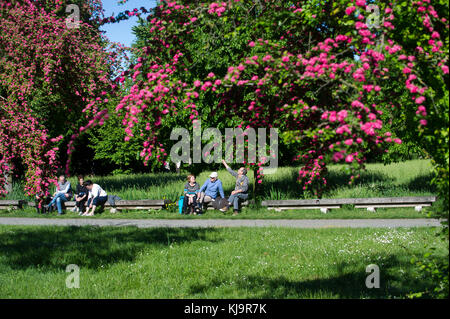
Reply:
x=211 y=189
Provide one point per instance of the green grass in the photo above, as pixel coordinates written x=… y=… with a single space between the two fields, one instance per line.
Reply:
x=211 y=263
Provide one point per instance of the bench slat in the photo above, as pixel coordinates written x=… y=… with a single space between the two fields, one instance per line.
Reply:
x=350 y=201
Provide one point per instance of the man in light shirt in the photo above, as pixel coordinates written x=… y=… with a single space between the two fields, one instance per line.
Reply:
x=97 y=196
x=63 y=194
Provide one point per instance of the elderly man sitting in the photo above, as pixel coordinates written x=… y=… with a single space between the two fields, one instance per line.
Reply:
x=240 y=190
x=211 y=189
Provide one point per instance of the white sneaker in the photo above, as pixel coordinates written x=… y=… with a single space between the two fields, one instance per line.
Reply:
x=75 y=209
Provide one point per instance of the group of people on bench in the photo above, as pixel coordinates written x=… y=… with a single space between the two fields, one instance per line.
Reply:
x=196 y=197
x=88 y=195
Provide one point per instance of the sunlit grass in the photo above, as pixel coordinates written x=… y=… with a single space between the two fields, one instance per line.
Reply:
x=211 y=263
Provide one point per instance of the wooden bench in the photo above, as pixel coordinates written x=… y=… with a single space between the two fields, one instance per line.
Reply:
x=209 y=205
x=12 y=204
x=371 y=204
x=144 y=204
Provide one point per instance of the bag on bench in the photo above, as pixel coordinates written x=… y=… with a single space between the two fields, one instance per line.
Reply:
x=220 y=203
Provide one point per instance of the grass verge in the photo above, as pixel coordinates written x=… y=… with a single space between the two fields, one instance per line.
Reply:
x=211 y=263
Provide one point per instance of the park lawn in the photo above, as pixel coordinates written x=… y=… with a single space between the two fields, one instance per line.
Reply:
x=267 y=262
x=246 y=213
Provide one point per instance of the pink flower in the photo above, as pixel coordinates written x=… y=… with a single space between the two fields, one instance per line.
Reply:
x=435 y=35
x=349 y=10
x=420 y=100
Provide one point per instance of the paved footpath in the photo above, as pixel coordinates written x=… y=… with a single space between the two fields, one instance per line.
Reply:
x=295 y=223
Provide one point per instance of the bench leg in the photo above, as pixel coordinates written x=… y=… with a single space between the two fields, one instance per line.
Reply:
x=418 y=208
x=371 y=209
x=324 y=210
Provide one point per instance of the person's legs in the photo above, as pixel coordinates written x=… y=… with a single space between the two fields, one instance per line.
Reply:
x=53 y=201
x=231 y=199
x=98 y=201
x=204 y=200
x=194 y=205
x=58 y=205
x=59 y=201
x=207 y=200
x=39 y=204
x=185 y=205
x=81 y=206
x=87 y=209
x=237 y=198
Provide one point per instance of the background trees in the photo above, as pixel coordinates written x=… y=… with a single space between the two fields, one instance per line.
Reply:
x=342 y=83
x=51 y=79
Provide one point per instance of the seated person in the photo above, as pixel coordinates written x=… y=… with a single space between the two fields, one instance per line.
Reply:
x=191 y=190
x=240 y=192
x=81 y=196
x=41 y=201
x=211 y=189
x=97 y=197
x=63 y=194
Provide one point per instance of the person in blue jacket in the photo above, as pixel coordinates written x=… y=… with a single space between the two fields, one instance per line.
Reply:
x=211 y=189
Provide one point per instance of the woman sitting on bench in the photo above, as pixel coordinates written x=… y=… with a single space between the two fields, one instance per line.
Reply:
x=191 y=190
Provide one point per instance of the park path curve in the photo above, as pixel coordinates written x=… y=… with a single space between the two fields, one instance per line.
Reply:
x=202 y=223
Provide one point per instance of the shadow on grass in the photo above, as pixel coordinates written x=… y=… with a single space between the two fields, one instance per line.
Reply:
x=422 y=183
x=376 y=183
x=88 y=246
x=345 y=284
x=290 y=189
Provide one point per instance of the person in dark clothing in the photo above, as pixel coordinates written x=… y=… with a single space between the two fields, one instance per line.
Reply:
x=81 y=196
x=41 y=201
x=191 y=190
